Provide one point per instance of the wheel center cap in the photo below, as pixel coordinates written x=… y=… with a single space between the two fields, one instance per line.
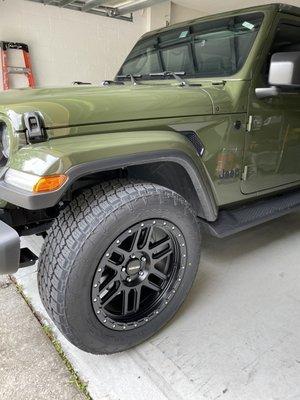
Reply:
x=133 y=267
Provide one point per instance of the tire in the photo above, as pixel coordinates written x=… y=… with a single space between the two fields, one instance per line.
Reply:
x=78 y=242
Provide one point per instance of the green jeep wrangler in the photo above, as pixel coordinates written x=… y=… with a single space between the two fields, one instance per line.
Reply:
x=200 y=130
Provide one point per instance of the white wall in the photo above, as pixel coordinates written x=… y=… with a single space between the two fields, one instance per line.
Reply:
x=180 y=13
x=168 y=12
x=67 y=45
x=159 y=15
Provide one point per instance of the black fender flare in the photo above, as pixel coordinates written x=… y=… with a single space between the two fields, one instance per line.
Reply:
x=197 y=174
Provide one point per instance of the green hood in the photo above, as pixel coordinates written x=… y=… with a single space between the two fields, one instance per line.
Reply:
x=90 y=105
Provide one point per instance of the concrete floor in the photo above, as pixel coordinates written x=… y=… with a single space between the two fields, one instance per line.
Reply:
x=237 y=337
x=30 y=368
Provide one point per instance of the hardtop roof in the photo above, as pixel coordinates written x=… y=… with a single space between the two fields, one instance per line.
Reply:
x=275 y=7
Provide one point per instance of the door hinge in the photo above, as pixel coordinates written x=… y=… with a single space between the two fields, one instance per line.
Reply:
x=245 y=173
x=249 y=124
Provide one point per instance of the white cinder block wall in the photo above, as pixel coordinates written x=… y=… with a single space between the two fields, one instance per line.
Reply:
x=180 y=13
x=66 y=45
x=69 y=46
x=159 y=15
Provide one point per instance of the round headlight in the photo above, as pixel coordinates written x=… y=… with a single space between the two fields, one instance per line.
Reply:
x=4 y=141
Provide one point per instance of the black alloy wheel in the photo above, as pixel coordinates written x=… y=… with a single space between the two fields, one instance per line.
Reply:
x=138 y=275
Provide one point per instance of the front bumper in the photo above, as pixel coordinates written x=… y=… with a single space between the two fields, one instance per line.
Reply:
x=9 y=249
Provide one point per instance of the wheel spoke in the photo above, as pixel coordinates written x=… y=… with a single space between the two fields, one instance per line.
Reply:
x=112 y=265
x=121 y=252
x=159 y=274
x=163 y=255
x=137 y=299
x=148 y=237
x=136 y=239
x=125 y=301
x=151 y=286
x=109 y=297
x=106 y=284
x=160 y=246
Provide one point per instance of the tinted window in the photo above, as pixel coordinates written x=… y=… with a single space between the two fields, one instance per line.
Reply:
x=287 y=38
x=177 y=58
x=144 y=64
x=207 y=49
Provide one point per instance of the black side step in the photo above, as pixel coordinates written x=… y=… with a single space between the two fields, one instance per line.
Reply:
x=235 y=220
x=27 y=258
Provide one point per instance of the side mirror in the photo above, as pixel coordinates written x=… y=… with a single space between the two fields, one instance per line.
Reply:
x=284 y=74
x=285 y=70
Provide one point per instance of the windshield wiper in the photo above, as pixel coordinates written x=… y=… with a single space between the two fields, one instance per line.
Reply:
x=175 y=75
x=132 y=78
x=109 y=82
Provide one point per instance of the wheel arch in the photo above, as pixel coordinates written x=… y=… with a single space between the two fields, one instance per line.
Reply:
x=169 y=168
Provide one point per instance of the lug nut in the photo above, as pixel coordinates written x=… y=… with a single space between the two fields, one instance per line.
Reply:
x=144 y=259
x=123 y=269
x=128 y=279
x=141 y=273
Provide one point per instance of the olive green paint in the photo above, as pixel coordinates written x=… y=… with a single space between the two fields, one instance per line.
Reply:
x=88 y=123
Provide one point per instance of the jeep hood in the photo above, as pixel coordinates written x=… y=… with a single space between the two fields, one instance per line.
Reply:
x=91 y=105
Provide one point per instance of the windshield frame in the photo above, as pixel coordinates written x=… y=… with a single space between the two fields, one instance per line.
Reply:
x=189 y=41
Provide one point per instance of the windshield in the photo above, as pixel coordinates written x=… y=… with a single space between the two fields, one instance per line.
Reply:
x=206 y=49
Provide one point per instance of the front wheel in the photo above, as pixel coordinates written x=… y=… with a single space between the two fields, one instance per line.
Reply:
x=118 y=263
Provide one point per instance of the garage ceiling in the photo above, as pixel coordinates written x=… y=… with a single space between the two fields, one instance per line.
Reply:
x=108 y=8
x=123 y=9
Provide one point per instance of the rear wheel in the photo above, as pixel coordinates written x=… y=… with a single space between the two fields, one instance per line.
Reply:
x=117 y=264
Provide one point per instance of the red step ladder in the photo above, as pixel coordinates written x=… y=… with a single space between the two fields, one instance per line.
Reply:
x=5 y=47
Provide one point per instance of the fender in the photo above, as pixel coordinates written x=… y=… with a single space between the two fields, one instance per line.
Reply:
x=77 y=157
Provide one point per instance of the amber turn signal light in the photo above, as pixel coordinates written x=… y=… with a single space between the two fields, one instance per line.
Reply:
x=49 y=183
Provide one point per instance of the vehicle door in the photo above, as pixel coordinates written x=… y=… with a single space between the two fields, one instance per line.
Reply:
x=272 y=144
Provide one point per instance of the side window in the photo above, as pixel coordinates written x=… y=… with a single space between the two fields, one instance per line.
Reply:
x=287 y=38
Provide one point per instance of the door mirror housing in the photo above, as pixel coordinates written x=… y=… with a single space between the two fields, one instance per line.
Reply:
x=284 y=75
x=285 y=70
